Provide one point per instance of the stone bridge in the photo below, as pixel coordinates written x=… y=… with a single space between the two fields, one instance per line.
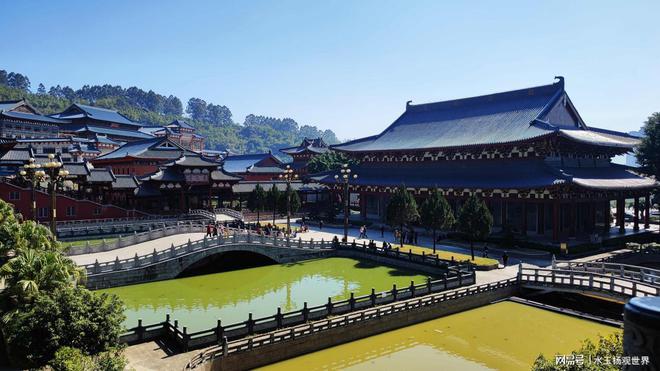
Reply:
x=611 y=281
x=169 y=263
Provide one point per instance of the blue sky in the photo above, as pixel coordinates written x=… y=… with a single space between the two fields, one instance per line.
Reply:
x=349 y=66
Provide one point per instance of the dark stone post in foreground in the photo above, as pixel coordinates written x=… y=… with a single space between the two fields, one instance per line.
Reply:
x=641 y=332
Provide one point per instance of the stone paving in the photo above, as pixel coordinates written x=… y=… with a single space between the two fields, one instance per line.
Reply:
x=140 y=248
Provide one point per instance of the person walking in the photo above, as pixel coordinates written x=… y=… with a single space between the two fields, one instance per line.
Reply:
x=365 y=231
x=208 y=230
x=382 y=231
x=485 y=251
x=321 y=224
x=505 y=259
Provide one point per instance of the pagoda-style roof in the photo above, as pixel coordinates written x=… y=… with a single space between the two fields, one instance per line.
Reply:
x=194 y=160
x=125 y=182
x=312 y=145
x=180 y=124
x=500 y=118
x=245 y=163
x=96 y=130
x=22 y=110
x=532 y=173
x=79 y=111
x=101 y=175
x=158 y=148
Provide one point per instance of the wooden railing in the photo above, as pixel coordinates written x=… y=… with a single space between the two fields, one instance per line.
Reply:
x=227 y=347
x=632 y=272
x=150 y=233
x=252 y=326
x=587 y=281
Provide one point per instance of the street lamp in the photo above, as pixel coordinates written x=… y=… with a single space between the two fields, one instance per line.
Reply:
x=345 y=178
x=34 y=177
x=288 y=176
x=55 y=176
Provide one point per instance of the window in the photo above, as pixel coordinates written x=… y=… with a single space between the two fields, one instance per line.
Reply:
x=42 y=212
x=70 y=211
x=49 y=150
x=14 y=195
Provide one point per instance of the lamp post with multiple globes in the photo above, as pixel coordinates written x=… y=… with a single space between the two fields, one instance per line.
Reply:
x=345 y=178
x=288 y=176
x=54 y=176
x=33 y=174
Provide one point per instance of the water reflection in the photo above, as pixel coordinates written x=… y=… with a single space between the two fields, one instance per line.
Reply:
x=197 y=302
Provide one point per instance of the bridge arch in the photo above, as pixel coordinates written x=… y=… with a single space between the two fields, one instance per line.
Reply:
x=224 y=261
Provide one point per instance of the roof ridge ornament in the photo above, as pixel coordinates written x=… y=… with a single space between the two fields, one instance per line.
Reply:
x=561 y=81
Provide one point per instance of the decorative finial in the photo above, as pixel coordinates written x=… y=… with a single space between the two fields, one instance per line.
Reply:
x=561 y=80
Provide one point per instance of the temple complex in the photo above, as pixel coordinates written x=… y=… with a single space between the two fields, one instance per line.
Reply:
x=301 y=154
x=528 y=153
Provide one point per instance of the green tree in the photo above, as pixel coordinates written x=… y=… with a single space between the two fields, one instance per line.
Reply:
x=435 y=213
x=648 y=152
x=330 y=160
x=33 y=271
x=289 y=194
x=474 y=220
x=67 y=316
x=401 y=209
x=273 y=197
x=257 y=200
x=606 y=348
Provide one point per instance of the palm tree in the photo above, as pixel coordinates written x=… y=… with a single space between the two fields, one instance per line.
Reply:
x=32 y=271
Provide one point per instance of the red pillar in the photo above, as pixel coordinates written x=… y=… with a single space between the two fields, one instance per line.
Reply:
x=503 y=212
x=636 y=214
x=607 y=217
x=571 y=218
x=647 y=211
x=524 y=218
x=620 y=214
x=540 y=218
x=555 y=220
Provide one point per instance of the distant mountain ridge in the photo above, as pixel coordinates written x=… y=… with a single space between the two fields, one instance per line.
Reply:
x=256 y=133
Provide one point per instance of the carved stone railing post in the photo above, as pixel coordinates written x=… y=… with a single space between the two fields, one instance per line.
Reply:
x=117 y=265
x=172 y=250
x=154 y=258
x=136 y=261
x=189 y=246
x=97 y=268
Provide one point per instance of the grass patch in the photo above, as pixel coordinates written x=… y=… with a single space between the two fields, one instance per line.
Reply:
x=447 y=255
x=96 y=241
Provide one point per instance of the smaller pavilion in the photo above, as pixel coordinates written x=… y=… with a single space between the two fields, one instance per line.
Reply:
x=304 y=152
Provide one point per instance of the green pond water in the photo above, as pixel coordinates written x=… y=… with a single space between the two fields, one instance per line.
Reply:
x=502 y=336
x=198 y=302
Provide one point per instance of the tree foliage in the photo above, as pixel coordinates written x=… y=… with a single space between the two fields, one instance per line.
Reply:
x=67 y=316
x=257 y=200
x=401 y=209
x=215 y=122
x=648 y=152
x=607 y=347
x=330 y=160
x=73 y=359
x=474 y=220
x=292 y=196
x=435 y=213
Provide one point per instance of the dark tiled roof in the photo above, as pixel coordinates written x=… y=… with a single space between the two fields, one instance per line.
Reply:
x=96 y=113
x=265 y=170
x=114 y=132
x=124 y=182
x=78 y=168
x=497 y=118
x=156 y=148
x=191 y=160
x=240 y=163
x=221 y=175
x=182 y=124
x=17 y=154
x=494 y=174
x=33 y=117
x=313 y=145
x=100 y=176
x=165 y=174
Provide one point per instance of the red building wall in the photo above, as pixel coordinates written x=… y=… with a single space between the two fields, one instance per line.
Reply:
x=67 y=208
